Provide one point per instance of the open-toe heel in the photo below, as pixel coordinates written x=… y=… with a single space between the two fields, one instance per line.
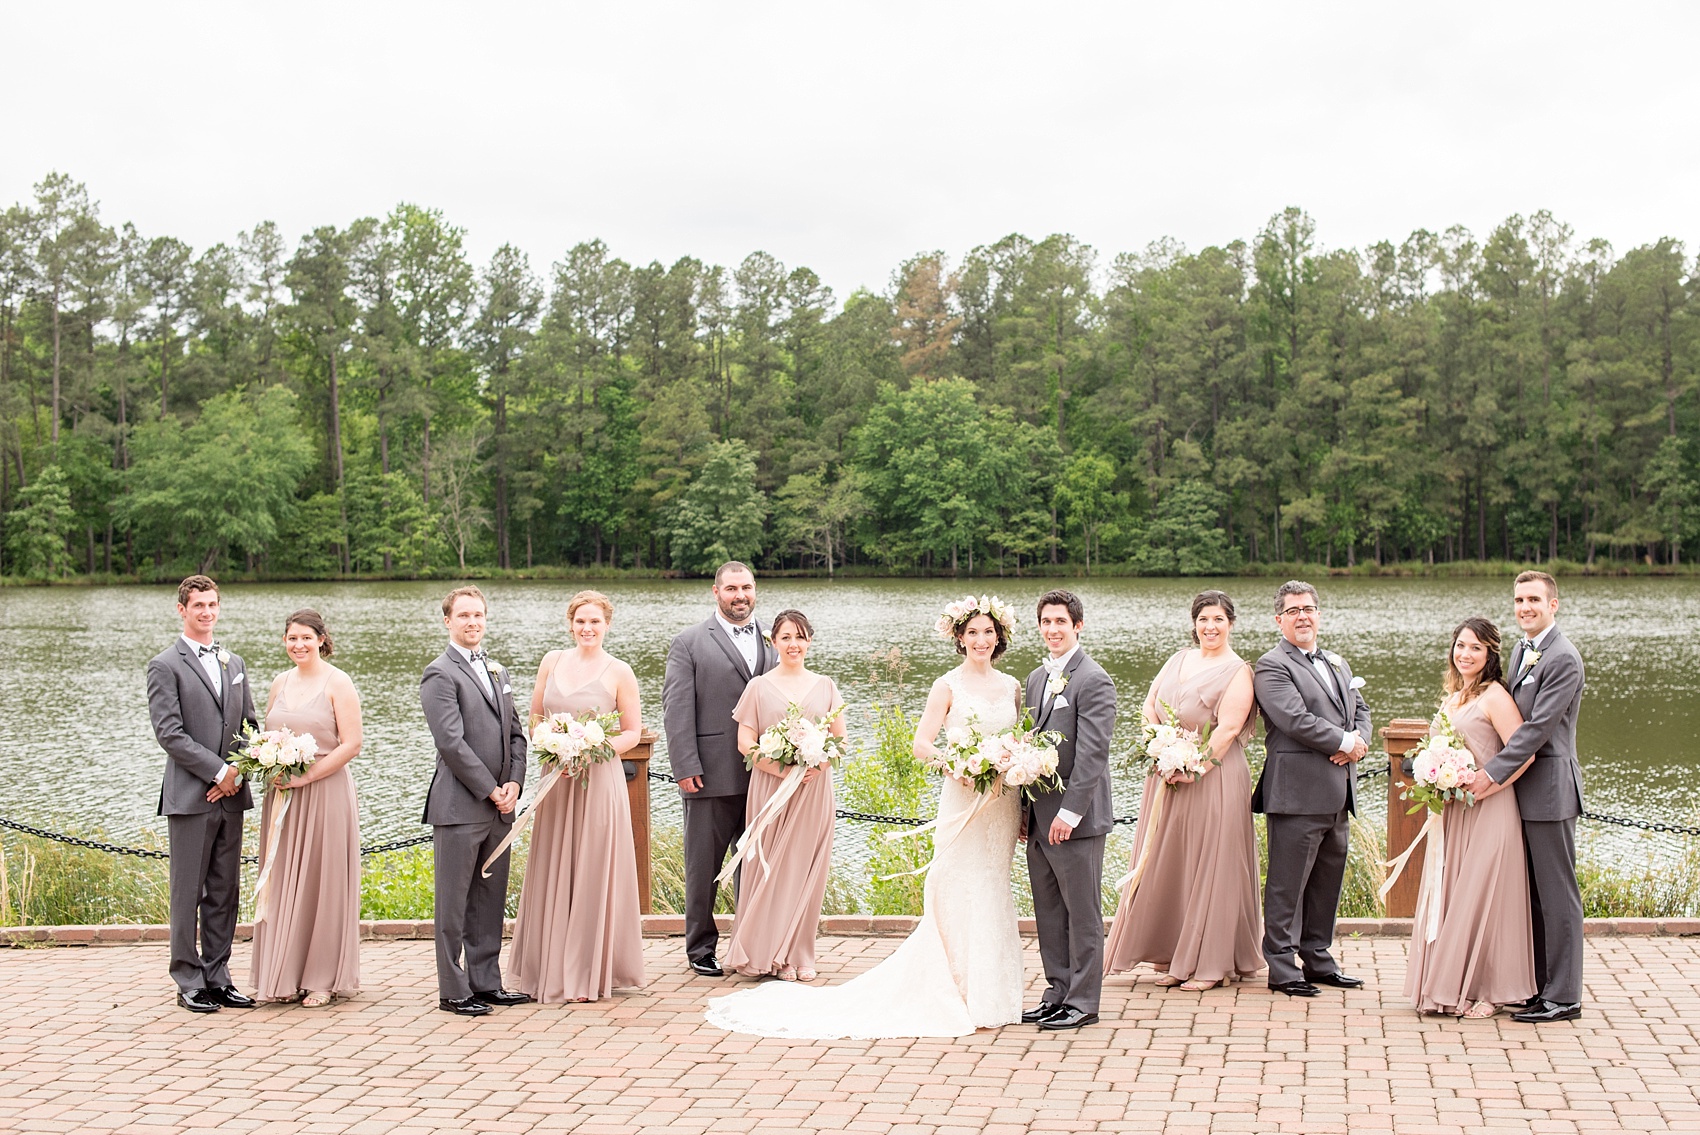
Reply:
x=787 y=973
x=1199 y=986
x=1167 y=980
x=316 y=1000
x=1479 y=1011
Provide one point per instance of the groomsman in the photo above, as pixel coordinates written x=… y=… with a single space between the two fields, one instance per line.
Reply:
x=1073 y=695
x=199 y=701
x=469 y=707
x=1317 y=730
x=708 y=666
x=1546 y=678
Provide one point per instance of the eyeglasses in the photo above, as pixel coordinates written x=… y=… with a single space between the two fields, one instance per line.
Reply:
x=1307 y=609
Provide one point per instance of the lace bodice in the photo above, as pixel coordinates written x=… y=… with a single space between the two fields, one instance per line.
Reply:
x=990 y=715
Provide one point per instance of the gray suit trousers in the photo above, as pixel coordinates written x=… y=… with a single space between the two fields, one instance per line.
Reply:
x=469 y=907
x=1068 y=905
x=712 y=825
x=206 y=869
x=1555 y=901
x=1301 y=893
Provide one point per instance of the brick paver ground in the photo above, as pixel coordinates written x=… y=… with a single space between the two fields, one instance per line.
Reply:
x=92 y=1042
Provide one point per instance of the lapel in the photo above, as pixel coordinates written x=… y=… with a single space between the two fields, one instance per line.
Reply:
x=194 y=663
x=492 y=699
x=719 y=635
x=1520 y=689
x=1329 y=690
x=1049 y=703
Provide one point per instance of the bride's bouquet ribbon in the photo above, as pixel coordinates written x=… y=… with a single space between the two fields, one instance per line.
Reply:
x=984 y=800
x=269 y=843
x=1426 y=921
x=750 y=842
x=550 y=779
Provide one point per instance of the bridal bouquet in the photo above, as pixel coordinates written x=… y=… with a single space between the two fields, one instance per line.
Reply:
x=1020 y=757
x=1173 y=749
x=272 y=756
x=798 y=739
x=1440 y=768
x=574 y=742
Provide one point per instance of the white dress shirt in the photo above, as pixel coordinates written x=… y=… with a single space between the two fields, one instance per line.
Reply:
x=1325 y=671
x=209 y=664
x=478 y=667
x=1053 y=667
x=746 y=642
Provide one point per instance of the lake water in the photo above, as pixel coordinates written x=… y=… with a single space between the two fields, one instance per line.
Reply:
x=77 y=752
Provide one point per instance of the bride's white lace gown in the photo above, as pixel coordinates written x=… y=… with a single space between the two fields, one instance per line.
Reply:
x=961 y=968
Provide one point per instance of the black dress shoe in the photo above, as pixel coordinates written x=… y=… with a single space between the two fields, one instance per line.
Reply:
x=706 y=966
x=231 y=997
x=197 y=1000
x=1067 y=1018
x=502 y=997
x=1034 y=1015
x=465 y=1006
x=1337 y=979
x=1294 y=988
x=1548 y=1011
x=1523 y=1006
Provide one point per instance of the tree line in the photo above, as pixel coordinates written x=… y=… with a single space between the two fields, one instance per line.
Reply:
x=368 y=400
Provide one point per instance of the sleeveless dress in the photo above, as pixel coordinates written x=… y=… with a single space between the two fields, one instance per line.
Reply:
x=1195 y=913
x=961 y=969
x=577 y=933
x=1484 y=950
x=310 y=940
x=781 y=889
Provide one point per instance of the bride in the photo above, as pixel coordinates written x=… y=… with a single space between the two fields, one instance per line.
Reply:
x=961 y=968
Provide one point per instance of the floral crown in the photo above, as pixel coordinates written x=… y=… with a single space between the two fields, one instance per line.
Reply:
x=965 y=608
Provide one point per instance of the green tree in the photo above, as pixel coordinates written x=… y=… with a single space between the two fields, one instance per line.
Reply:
x=1183 y=537
x=39 y=525
x=719 y=516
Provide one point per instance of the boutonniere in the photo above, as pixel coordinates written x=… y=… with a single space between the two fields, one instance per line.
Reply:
x=493 y=666
x=1056 y=683
x=223 y=657
x=1530 y=657
x=1334 y=660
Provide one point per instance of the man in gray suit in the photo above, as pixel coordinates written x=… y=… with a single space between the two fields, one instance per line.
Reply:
x=1071 y=694
x=199 y=700
x=469 y=706
x=708 y=666
x=1317 y=730
x=1546 y=678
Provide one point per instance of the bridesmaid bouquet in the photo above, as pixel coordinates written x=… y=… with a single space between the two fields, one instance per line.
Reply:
x=1020 y=757
x=1440 y=768
x=1173 y=749
x=573 y=742
x=272 y=756
x=799 y=740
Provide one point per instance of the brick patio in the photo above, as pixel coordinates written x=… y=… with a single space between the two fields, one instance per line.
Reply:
x=94 y=1043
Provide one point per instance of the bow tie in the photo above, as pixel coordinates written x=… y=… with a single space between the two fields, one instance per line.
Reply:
x=747 y=628
x=203 y=651
x=481 y=655
x=1055 y=665
x=1315 y=656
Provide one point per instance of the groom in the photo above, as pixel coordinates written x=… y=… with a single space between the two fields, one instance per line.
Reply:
x=199 y=700
x=1073 y=695
x=1546 y=679
x=1317 y=730
x=469 y=707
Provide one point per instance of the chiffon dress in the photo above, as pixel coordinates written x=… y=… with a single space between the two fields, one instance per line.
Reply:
x=1484 y=949
x=310 y=939
x=1195 y=913
x=578 y=934
x=961 y=968
x=783 y=882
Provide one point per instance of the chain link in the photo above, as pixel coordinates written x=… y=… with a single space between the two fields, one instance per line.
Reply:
x=150 y=853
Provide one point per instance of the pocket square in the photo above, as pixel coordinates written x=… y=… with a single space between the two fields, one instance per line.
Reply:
x=236 y=679
x=1062 y=700
x=1357 y=683
x=507 y=689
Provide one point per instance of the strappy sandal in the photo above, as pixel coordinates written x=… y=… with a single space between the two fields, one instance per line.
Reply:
x=806 y=975
x=1167 y=980
x=1199 y=986
x=1479 y=1011
x=787 y=973
x=316 y=1000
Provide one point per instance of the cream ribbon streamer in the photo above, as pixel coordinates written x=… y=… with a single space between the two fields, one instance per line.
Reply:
x=750 y=841
x=1429 y=898
x=268 y=852
x=524 y=820
x=985 y=799
x=1153 y=821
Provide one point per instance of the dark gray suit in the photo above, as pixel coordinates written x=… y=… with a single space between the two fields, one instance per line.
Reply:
x=1068 y=877
x=706 y=676
x=1308 y=799
x=480 y=747
x=198 y=727
x=1549 y=796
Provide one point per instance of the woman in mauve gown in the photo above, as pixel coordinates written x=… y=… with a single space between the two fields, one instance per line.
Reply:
x=578 y=934
x=1483 y=955
x=308 y=944
x=1193 y=912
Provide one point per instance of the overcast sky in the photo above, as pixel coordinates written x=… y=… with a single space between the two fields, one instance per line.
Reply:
x=847 y=136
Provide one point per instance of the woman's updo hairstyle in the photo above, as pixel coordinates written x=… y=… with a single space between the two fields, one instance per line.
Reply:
x=1206 y=599
x=586 y=597
x=313 y=621
x=796 y=619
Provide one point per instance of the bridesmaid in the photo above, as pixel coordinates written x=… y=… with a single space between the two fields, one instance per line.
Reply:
x=1483 y=955
x=309 y=944
x=779 y=901
x=577 y=934
x=1194 y=913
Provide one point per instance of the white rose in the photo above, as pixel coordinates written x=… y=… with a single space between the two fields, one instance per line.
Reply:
x=594 y=734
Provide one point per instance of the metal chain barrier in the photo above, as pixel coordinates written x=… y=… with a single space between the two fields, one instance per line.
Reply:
x=149 y=853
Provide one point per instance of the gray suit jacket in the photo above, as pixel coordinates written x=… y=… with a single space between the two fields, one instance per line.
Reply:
x=197 y=727
x=1086 y=722
x=705 y=678
x=1303 y=717
x=1550 y=696
x=480 y=741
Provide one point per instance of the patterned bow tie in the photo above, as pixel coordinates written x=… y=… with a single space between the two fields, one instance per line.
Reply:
x=203 y=651
x=747 y=628
x=481 y=655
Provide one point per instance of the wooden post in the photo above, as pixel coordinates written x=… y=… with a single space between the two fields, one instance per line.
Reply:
x=636 y=763
x=1401 y=736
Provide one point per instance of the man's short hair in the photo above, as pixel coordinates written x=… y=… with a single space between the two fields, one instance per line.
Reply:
x=1541 y=578
x=193 y=584
x=1061 y=598
x=449 y=599
x=1294 y=587
x=728 y=567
